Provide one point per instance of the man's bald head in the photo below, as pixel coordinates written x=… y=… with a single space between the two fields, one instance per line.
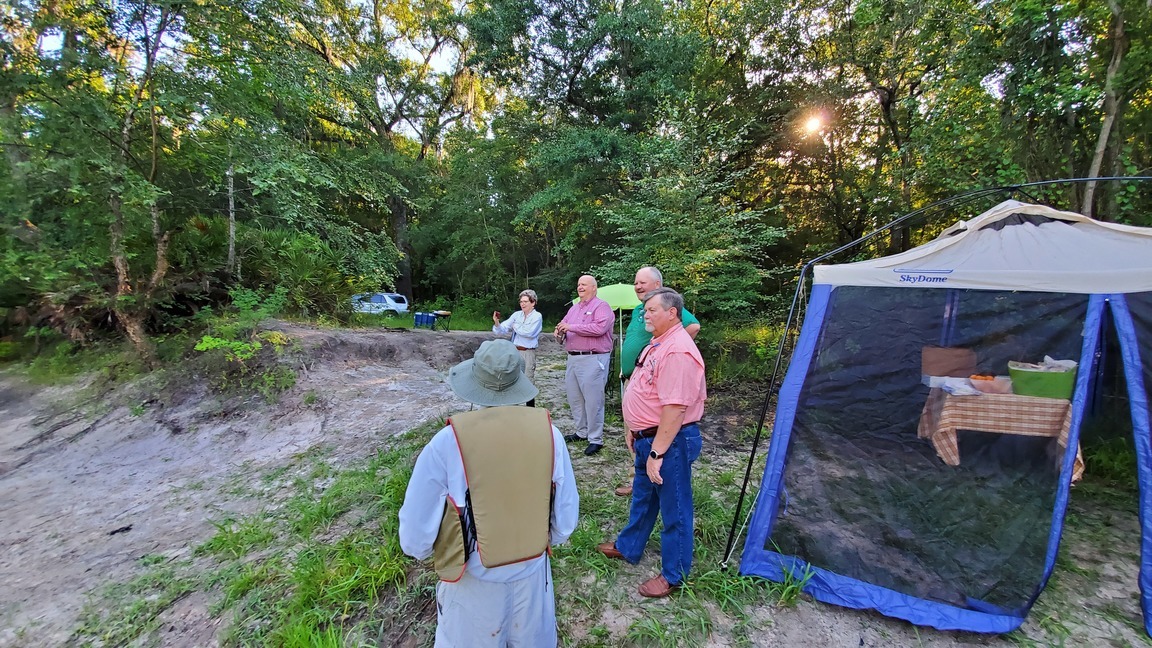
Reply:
x=586 y=287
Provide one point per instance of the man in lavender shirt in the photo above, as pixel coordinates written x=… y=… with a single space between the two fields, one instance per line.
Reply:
x=586 y=333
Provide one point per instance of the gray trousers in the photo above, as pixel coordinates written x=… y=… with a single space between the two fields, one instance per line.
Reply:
x=585 y=378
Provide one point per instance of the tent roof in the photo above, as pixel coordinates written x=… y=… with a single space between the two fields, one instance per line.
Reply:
x=1015 y=246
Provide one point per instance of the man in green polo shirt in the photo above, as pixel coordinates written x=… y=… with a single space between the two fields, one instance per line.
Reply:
x=636 y=337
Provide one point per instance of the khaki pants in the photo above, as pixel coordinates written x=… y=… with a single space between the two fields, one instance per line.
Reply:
x=529 y=356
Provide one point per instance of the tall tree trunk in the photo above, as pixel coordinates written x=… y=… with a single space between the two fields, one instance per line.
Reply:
x=121 y=304
x=128 y=311
x=900 y=236
x=231 y=265
x=1112 y=103
x=400 y=232
x=132 y=303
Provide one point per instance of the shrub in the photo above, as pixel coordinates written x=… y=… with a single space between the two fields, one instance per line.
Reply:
x=234 y=353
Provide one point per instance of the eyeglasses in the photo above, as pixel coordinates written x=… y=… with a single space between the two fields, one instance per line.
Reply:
x=645 y=354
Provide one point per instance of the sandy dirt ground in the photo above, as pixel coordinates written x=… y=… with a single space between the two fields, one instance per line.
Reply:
x=92 y=481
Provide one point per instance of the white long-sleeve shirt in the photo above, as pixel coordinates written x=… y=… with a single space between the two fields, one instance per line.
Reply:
x=439 y=472
x=525 y=330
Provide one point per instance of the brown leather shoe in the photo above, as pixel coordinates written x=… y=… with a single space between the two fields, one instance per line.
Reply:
x=623 y=491
x=657 y=587
x=609 y=549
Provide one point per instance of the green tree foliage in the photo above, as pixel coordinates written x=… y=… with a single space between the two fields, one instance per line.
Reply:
x=122 y=138
x=157 y=156
x=680 y=211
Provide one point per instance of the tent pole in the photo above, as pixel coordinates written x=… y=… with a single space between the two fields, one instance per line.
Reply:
x=620 y=355
x=788 y=327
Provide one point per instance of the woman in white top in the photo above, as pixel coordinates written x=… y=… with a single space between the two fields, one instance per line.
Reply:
x=525 y=326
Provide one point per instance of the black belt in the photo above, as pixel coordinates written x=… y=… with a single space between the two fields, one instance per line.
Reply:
x=586 y=352
x=648 y=433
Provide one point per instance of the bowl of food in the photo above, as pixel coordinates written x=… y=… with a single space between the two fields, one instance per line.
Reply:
x=990 y=384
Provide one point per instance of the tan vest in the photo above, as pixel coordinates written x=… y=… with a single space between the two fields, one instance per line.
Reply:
x=508 y=455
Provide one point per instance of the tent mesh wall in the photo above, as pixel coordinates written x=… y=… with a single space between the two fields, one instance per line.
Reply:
x=866 y=498
x=1107 y=425
x=1140 y=308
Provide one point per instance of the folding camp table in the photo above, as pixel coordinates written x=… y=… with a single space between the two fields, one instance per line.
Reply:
x=944 y=414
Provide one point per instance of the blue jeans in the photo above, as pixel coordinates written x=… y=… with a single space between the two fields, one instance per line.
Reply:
x=672 y=501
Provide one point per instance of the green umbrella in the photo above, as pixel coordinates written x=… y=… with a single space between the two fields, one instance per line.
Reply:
x=619 y=296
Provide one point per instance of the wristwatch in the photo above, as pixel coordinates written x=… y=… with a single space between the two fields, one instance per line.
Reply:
x=656 y=455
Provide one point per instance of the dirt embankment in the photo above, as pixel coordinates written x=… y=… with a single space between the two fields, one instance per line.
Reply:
x=94 y=480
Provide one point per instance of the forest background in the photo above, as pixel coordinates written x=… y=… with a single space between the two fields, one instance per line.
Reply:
x=160 y=158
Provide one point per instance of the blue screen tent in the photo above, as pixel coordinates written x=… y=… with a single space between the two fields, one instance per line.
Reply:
x=854 y=496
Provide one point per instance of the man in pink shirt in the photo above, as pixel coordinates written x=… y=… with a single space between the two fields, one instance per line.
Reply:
x=662 y=410
x=586 y=333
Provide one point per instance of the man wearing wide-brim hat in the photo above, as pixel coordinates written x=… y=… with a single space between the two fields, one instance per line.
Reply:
x=489 y=528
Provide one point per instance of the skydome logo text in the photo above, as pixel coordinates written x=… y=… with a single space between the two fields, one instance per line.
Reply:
x=909 y=275
x=921 y=279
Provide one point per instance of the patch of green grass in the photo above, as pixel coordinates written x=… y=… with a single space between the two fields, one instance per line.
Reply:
x=1052 y=623
x=684 y=622
x=237 y=538
x=651 y=631
x=64 y=361
x=730 y=591
x=306 y=632
x=310 y=514
x=330 y=573
x=9 y=351
x=275 y=381
x=1113 y=462
x=247 y=578
x=276 y=473
x=120 y=613
x=150 y=560
x=369 y=320
x=788 y=591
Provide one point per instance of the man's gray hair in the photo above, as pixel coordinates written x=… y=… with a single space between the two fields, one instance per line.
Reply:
x=668 y=299
x=655 y=272
x=530 y=294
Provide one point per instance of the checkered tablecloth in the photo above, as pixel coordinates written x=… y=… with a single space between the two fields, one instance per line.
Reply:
x=944 y=414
